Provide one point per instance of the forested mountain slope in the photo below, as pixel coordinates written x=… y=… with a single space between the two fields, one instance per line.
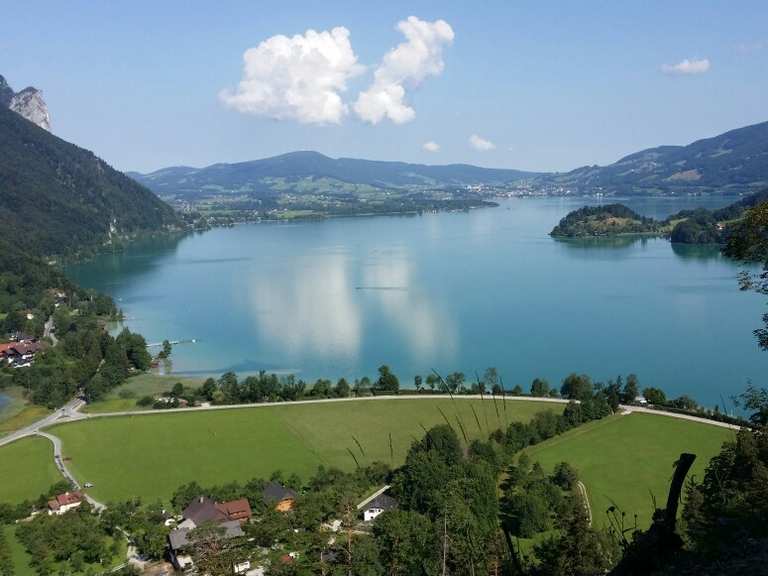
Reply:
x=57 y=198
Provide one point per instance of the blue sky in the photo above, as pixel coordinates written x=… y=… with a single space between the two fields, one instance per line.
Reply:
x=551 y=85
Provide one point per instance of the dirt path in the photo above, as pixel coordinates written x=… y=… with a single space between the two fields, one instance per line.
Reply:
x=585 y=497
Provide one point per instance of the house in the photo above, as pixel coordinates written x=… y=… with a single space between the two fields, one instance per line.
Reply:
x=239 y=510
x=63 y=503
x=641 y=400
x=19 y=354
x=278 y=496
x=229 y=516
x=378 y=506
x=202 y=509
x=180 y=542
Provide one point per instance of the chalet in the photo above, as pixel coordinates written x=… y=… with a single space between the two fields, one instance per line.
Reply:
x=19 y=354
x=278 y=496
x=239 y=510
x=229 y=516
x=63 y=503
x=202 y=509
x=180 y=542
x=378 y=506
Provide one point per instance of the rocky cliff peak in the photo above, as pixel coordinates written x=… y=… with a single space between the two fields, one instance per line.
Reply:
x=28 y=103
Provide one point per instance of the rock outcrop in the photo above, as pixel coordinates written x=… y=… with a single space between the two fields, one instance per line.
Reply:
x=28 y=103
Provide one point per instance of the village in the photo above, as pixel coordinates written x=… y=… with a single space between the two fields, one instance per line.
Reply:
x=206 y=522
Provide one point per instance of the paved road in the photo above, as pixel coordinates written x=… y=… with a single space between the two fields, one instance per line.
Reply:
x=48 y=331
x=641 y=410
x=58 y=458
x=67 y=413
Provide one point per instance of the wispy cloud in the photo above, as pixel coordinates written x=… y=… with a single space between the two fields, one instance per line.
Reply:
x=751 y=47
x=431 y=146
x=406 y=65
x=687 y=67
x=296 y=78
x=480 y=143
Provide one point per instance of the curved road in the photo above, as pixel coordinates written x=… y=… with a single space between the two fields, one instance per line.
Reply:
x=58 y=458
x=70 y=411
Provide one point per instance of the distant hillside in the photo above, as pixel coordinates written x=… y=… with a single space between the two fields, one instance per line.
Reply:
x=312 y=172
x=700 y=226
x=57 y=198
x=734 y=162
x=607 y=220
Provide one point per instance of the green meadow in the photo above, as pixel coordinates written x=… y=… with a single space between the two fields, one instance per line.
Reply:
x=150 y=455
x=26 y=469
x=123 y=398
x=627 y=460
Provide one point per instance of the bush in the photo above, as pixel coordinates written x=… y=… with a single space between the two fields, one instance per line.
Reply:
x=565 y=476
x=145 y=401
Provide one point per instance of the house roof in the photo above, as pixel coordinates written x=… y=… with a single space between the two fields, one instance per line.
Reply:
x=382 y=502
x=235 y=509
x=20 y=348
x=274 y=492
x=202 y=509
x=65 y=499
x=179 y=538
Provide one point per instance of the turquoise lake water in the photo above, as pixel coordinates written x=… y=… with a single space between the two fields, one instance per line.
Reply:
x=449 y=291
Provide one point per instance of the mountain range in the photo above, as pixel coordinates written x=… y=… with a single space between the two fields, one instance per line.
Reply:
x=733 y=162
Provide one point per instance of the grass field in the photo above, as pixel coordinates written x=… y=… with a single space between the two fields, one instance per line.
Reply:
x=26 y=469
x=624 y=459
x=137 y=386
x=151 y=455
x=18 y=413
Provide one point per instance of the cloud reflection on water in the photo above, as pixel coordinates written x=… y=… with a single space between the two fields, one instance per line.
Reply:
x=318 y=307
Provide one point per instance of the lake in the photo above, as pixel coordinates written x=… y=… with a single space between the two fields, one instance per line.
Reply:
x=447 y=291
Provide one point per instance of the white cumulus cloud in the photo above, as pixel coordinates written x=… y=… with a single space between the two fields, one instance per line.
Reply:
x=406 y=65
x=480 y=143
x=687 y=67
x=431 y=146
x=298 y=78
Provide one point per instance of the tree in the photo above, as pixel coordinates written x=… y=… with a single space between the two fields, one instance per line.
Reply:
x=432 y=381
x=387 y=382
x=213 y=553
x=565 y=476
x=492 y=381
x=577 y=387
x=362 y=387
x=524 y=515
x=539 y=387
x=342 y=389
x=167 y=349
x=208 y=388
x=748 y=242
x=655 y=395
x=178 y=390
x=578 y=550
x=405 y=542
x=756 y=400
x=455 y=382
x=631 y=390
x=418 y=383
